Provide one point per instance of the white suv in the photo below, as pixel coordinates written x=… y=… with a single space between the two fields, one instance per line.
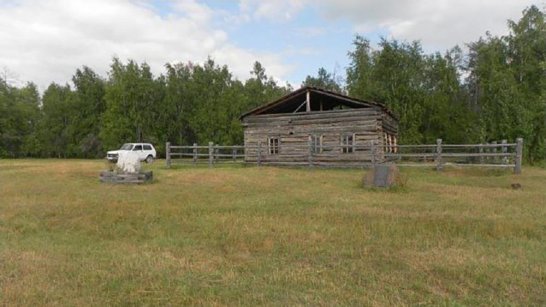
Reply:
x=146 y=152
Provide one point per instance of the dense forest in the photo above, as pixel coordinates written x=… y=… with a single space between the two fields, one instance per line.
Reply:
x=495 y=90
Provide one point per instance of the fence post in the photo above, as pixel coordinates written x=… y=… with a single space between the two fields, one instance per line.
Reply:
x=519 y=155
x=234 y=153
x=259 y=157
x=211 y=153
x=373 y=152
x=488 y=151
x=194 y=153
x=438 y=154
x=398 y=149
x=480 y=149
x=504 y=159
x=168 y=154
x=494 y=149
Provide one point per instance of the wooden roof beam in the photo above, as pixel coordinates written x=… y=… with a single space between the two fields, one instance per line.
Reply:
x=308 y=101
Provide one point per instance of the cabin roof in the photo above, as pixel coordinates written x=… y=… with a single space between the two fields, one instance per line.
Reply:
x=292 y=102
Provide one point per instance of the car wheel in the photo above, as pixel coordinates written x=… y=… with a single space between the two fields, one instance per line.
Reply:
x=149 y=159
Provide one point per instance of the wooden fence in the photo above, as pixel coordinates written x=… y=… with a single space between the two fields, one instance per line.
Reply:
x=494 y=154
x=211 y=154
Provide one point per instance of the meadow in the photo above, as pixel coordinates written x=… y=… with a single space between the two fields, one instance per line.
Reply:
x=237 y=235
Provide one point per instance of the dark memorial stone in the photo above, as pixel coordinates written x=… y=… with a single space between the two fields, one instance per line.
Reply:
x=382 y=176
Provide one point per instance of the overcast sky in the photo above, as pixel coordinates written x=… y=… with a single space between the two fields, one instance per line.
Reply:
x=47 y=40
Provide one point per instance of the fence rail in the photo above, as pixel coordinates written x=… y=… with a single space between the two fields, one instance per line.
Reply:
x=495 y=154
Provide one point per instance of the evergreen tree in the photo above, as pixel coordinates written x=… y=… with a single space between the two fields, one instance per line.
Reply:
x=446 y=111
x=392 y=75
x=527 y=60
x=90 y=105
x=496 y=91
x=212 y=91
x=324 y=80
x=132 y=97
x=177 y=104
x=55 y=131
x=507 y=83
x=19 y=114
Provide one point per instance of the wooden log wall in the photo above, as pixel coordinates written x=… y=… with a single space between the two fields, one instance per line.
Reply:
x=294 y=130
x=390 y=124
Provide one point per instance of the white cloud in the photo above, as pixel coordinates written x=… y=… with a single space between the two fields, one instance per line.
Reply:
x=311 y=31
x=439 y=24
x=278 y=10
x=47 y=40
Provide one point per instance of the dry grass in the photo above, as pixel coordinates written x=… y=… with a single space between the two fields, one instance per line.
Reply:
x=248 y=236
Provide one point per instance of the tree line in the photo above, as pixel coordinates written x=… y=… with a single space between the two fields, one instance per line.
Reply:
x=189 y=103
x=495 y=90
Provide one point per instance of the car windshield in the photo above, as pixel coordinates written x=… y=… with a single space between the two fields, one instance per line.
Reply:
x=126 y=146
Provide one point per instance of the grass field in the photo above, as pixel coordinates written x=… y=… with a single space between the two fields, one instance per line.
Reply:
x=269 y=236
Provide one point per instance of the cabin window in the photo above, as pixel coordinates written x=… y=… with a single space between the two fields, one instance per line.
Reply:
x=390 y=143
x=273 y=145
x=360 y=143
x=348 y=143
x=391 y=147
x=316 y=143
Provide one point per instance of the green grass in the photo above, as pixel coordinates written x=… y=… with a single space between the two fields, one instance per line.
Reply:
x=269 y=236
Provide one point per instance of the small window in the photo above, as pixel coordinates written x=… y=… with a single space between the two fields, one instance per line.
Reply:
x=147 y=147
x=137 y=147
x=127 y=146
x=273 y=146
x=316 y=143
x=347 y=143
x=390 y=143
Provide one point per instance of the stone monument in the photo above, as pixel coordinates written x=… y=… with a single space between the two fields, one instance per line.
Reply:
x=127 y=170
x=382 y=176
x=128 y=162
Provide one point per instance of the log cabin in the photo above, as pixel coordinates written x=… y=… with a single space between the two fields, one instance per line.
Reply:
x=313 y=126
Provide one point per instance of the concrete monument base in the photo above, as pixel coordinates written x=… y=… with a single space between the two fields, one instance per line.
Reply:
x=129 y=178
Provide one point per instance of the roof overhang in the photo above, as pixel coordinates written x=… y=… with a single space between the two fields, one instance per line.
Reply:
x=320 y=100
